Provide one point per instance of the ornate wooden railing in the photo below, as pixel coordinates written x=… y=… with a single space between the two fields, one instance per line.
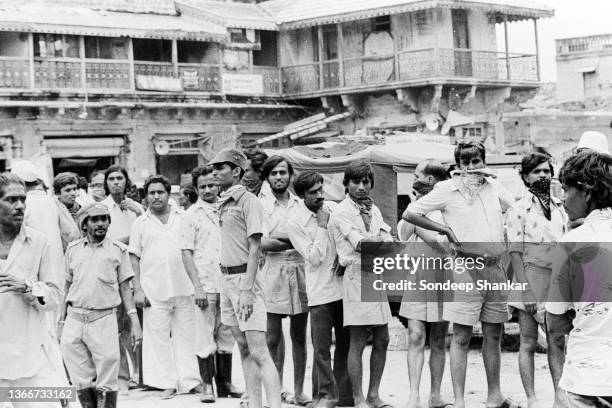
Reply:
x=104 y=74
x=409 y=65
x=271 y=78
x=201 y=78
x=54 y=73
x=14 y=73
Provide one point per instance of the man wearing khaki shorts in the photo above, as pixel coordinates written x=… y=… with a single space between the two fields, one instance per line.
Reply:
x=242 y=302
x=472 y=207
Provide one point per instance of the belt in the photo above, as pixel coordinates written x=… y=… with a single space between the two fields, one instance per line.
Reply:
x=87 y=316
x=488 y=260
x=232 y=270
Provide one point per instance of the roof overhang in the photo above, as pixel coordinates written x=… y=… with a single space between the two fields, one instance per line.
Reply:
x=515 y=10
x=231 y=16
x=84 y=21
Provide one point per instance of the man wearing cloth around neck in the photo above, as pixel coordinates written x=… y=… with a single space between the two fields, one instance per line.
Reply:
x=472 y=207
x=242 y=302
x=355 y=221
x=98 y=274
x=309 y=234
x=165 y=289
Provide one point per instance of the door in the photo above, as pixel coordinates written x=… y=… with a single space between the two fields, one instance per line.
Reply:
x=461 y=42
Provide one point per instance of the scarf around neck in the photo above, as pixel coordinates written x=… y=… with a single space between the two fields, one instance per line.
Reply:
x=227 y=194
x=541 y=189
x=365 y=209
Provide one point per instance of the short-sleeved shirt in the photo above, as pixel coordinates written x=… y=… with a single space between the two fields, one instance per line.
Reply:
x=316 y=246
x=530 y=233
x=588 y=367
x=96 y=270
x=276 y=217
x=121 y=221
x=162 y=273
x=472 y=220
x=240 y=217
x=200 y=233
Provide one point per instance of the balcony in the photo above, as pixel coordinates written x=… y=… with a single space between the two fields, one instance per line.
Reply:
x=410 y=67
x=581 y=45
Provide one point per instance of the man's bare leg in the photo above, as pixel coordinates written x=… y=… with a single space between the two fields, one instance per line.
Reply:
x=258 y=350
x=416 y=359
x=275 y=341
x=300 y=355
x=378 y=358
x=252 y=373
x=358 y=340
x=491 y=355
x=557 y=327
x=437 y=361
x=458 y=361
x=529 y=342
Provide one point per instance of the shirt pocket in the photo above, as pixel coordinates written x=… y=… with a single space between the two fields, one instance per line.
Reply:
x=231 y=215
x=108 y=272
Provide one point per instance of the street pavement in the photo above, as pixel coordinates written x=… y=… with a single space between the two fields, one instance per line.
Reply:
x=394 y=387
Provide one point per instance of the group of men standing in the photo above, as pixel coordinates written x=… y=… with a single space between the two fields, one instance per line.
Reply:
x=249 y=252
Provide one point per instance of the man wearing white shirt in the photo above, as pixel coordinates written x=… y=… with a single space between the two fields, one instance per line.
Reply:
x=29 y=286
x=308 y=233
x=586 y=179
x=163 y=287
x=123 y=212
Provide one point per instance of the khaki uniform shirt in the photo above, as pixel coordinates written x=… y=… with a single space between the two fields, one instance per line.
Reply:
x=96 y=271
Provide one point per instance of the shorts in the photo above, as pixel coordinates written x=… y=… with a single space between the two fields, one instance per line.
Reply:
x=472 y=306
x=230 y=294
x=539 y=283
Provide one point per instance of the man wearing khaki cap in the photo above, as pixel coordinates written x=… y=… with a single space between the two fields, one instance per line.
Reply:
x=98 y=275
x=242 y=302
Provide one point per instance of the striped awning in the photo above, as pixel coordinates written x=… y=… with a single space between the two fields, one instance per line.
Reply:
x=304 y=130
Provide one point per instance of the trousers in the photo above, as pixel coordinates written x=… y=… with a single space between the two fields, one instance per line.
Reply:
x=211 y=334
x=91 y=351
x=168 y=345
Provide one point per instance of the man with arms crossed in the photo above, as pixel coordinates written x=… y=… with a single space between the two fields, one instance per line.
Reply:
x=355 y=221
x=242 y=303
x=308 y=233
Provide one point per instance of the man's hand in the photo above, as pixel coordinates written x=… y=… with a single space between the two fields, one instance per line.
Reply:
x=140 y=300
x=451 y=237
x=322 y=217
x=245 y=304
x=131 y=205
x=529 y=301
x=136 y=334
x=10 y=283
x=200 y=298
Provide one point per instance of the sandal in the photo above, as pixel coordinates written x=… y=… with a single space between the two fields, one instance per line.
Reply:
x=508 y=403
x=288 y=398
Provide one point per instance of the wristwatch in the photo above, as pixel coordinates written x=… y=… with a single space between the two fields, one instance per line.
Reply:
x=28 y=286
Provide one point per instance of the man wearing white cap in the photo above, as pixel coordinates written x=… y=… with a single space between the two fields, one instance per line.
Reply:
x=591 y=140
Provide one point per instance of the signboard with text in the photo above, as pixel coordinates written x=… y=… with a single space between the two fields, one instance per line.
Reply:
x=243 y=84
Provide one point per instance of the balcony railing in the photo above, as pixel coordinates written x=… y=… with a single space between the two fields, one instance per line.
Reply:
x=409 y=65
x=579 y=45
x=102 y=74
x=271 y=79
x=14 y=73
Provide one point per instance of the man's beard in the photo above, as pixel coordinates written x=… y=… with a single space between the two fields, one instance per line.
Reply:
x=279 y=190
x=10 y=227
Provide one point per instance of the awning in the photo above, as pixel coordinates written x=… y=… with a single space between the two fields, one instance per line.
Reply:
x=85 y=21
x=587 y=70
x=305 y=130
x=63 y=147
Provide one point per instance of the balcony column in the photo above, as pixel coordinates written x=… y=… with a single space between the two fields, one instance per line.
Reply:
x=320 y=42
x=436 y=54
x=32 y=75
x=340 y=43
x=132 y=74
x=175 y=58
x=83 y=63
x=537 y=46
x=508 y=76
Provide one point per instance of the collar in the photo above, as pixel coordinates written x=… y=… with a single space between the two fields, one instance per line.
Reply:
x=353 y=205
x=173 y=211
x=105 y=243
x=529 y=200
x=271 y=200
x=109 y=202
x=304 y=215
x=605 y=214
x=237 y=191
x=24 y=234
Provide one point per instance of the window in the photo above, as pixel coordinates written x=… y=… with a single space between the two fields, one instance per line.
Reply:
x=382 y=23
x=268 y=55
x=106 y=48
x=152 y=50
x=56 y=46
x=197 y=52
x=466 y=133
x=13 y=44
x=330 y=42
x=591 y=82
x=238 y=35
